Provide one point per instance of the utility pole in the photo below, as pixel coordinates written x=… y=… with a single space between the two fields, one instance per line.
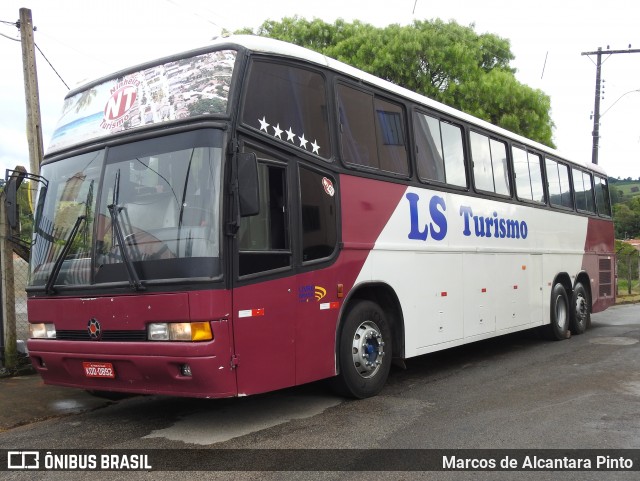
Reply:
x=7 y=286
x=596 y=108
x=32 y=97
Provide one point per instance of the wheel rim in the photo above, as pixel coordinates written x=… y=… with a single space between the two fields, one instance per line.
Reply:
x=367 y=349
x=561 y=313
x=581 y=308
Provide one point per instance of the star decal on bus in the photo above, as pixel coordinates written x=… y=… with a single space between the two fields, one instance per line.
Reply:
x=305 y=144
x=290 y=135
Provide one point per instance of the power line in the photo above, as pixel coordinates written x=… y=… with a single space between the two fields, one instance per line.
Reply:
x=10 y=38
x=610 y=106
x=17 y=24
x=52 y=67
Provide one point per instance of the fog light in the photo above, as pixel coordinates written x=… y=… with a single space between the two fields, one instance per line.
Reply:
x=185 y=369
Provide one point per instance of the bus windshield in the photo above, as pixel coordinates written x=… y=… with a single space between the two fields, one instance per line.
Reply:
x=147 y=209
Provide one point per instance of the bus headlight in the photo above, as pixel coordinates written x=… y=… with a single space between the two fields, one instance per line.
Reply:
x=179 y=331
x=42 y=330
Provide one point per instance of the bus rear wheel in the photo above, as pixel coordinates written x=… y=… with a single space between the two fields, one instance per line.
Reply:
x=580 y=310
x=559 y=327
x=364 y=351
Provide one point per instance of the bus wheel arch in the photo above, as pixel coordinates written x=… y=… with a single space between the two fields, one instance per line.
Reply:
x=369 y=334
x=580 y=309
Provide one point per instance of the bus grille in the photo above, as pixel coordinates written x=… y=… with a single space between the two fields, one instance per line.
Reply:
x=605 y=277
x=113 y=336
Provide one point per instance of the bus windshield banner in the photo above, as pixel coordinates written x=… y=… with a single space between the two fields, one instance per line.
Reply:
x=174 y=90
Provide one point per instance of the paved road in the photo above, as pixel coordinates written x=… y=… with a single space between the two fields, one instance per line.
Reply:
x=517 y=391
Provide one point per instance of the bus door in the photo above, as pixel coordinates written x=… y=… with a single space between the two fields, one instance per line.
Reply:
x=264 y=295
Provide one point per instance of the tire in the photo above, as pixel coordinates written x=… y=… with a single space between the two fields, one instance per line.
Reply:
x=559 y=327
x=580 y=310
x=364 y=352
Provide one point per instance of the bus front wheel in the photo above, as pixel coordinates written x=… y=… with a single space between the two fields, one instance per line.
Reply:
x=364 y=351
x=559 y=327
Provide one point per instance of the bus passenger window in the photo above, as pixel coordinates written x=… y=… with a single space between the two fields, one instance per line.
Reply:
x=588 y=192
x=390 y=134
x=439 y=151
x=559 y=186
x=289 y=104
x=372 y=132
x=489 y=164
x=521 y=170
x=318 y=204
x=584 y=191
x=535 y=169
x=603 y=202
x=357 y=127
x=526 y=166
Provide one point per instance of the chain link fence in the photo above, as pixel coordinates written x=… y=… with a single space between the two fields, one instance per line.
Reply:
x=14 y=317
x=20 y=277
x=628 y=268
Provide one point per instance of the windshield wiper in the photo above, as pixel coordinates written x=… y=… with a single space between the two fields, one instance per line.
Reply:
x=63 y=255
x=134 y=280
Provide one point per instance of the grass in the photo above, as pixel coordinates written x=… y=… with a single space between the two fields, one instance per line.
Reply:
x=623 y=296
x=627 y=189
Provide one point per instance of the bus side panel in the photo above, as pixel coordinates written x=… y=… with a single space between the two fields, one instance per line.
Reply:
x=467 y=268
x=366 y=206
x=318 y=309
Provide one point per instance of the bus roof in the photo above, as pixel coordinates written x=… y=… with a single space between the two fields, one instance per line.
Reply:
x=277 y=47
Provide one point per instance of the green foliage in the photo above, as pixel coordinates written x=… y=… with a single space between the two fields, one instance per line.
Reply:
x=207 y=106
x=26 y=214
x=625 y=199
x=447 y=62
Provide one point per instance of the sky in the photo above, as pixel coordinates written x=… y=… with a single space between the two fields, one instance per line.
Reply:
x=85 y=40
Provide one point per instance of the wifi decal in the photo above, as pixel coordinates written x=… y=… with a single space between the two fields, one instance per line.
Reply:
x=310 y=293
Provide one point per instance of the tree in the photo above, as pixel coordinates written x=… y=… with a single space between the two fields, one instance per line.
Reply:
x=447 y=62
x=616 y=195
x=626 y=221
x=207 y=106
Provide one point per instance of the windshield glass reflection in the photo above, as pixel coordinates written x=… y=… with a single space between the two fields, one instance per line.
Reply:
x=161 y=194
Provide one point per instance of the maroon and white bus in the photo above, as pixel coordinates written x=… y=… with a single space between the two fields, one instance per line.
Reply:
x=253 y=215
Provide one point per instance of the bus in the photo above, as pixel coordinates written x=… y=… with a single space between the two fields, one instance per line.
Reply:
x=253 y=215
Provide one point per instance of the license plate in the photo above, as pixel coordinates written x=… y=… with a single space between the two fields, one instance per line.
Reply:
x=99 y=369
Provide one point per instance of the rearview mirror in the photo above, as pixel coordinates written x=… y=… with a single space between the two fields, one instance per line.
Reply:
x=14 y=178
x=248 y=187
